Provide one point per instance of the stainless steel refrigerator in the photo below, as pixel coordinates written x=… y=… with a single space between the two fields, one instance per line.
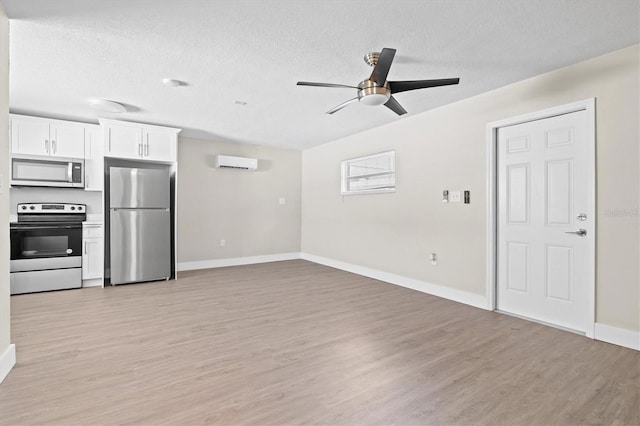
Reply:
x=140 y=224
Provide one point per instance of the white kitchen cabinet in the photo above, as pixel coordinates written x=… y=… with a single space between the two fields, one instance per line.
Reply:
x=42 y=136
x=159 y=145
x=122 y=141
x=93 y=159
x=92 y=254
x=136 y=141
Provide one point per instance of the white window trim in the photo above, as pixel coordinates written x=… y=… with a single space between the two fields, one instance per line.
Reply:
x=343 y=174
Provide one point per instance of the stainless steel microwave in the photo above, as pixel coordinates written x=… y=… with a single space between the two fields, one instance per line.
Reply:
x=35 y=170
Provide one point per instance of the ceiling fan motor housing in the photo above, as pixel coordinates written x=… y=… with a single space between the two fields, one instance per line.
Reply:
x=370 y=93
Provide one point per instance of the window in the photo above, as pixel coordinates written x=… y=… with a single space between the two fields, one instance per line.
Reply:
x=370 y=174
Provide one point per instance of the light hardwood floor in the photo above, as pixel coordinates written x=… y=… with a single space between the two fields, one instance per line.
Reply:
x=298 y=343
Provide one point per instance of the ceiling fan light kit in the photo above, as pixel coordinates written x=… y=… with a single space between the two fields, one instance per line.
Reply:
x=377 y=90
x=369 y=93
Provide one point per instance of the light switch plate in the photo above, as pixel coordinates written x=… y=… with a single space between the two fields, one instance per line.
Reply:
x=282 y=201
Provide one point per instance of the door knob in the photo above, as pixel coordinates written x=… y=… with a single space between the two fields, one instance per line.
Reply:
x=581 y=232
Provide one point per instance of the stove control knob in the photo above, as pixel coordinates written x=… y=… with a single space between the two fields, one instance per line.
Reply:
x=24 y=207
x=32 y=207
x=73 y=207
x=79 y=207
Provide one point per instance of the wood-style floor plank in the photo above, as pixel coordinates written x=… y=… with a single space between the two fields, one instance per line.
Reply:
x=298 y=343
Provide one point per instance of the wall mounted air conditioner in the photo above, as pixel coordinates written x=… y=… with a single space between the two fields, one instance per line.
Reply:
x=230 y=162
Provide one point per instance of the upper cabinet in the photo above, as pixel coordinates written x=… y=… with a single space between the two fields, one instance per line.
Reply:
x=93 y=159
x=40 y=136
x=123 y=139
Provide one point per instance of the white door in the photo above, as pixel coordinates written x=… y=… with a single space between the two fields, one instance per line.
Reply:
x=545 y=223
x=159 y=145
x=123 y=141
x=67 y=140
x=30 y=137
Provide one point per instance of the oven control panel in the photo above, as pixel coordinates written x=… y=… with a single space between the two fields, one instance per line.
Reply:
x=51 y=208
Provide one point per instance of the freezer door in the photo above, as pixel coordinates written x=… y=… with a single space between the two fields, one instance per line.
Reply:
x=140 y=245
x=138 y=188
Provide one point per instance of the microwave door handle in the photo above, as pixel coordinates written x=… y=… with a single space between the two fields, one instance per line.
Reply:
x=70 y=172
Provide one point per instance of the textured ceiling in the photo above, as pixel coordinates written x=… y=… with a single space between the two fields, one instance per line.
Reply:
x=66 y=51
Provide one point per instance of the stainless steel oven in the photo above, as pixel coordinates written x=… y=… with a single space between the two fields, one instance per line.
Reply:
x=46 y=247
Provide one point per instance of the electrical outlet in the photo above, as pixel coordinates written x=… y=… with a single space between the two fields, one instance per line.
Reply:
x=223 y=243
x=455 y=196
x=445 y=196
x=434 y=258
x=282 y=201
x=467 y=197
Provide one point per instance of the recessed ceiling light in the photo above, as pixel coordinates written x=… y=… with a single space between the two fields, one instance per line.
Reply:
x=106 y=106
x=170 y=82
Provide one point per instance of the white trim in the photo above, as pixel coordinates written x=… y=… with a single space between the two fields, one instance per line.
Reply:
x=7 y=361
x=235 y=261
x=461 y=296
x=618 y=336
x=92 y=282
x=588 y=105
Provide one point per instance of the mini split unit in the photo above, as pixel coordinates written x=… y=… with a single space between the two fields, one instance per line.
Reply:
x=230 y=162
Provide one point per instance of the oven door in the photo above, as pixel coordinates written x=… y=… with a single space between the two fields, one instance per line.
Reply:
x=39 y=246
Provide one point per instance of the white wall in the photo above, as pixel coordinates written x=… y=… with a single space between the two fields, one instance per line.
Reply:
x=445 y=149
x=6 y=359
x=238 y=206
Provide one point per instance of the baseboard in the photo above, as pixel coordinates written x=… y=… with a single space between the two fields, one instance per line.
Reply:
x=7 y=361
x=618 y=336
x=235 y=261
x=476 y=300
x=93 y=282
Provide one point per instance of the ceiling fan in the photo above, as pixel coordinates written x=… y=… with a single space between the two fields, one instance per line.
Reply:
x=377 y=90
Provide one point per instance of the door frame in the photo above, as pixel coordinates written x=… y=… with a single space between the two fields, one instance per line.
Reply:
x=588 y=105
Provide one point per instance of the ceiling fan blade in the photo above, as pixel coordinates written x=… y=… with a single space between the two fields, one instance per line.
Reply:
x=403 y=86
x=309 y=83
x=342 y=105
x=395 y=106
x=381 y=70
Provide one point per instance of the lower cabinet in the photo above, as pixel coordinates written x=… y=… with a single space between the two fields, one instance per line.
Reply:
x=92 y=254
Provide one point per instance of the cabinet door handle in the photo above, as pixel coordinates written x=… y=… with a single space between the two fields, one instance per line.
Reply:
x=146 y=149
x=109 y=140
x=53 y=146
x=46 y=146
x=140 y=149
x=85 y=247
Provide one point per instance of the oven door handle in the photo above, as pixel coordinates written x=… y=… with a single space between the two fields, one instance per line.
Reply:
x=70 y=172
x=37 y=227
